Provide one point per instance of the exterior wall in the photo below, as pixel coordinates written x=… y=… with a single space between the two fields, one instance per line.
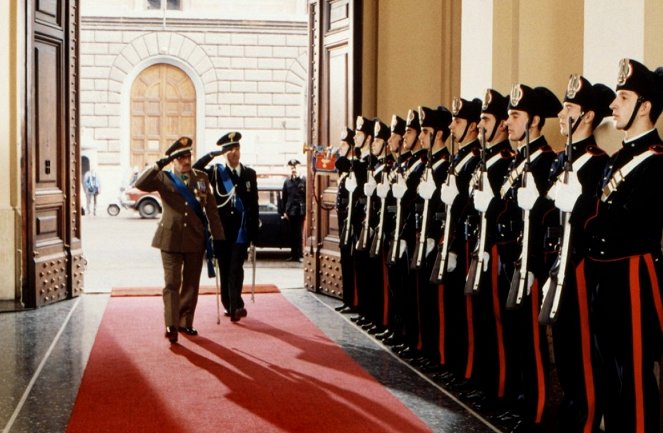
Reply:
x=249 y=76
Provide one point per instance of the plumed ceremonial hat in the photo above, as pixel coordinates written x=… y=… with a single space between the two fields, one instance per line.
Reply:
x=596 y=98
x=229 y=140
x=364 y=125
x=348 y=136
x=464 y=109
x=397 y=125
x=537 y=102
x=496 y=104
x=380 y=130
x=181 y=147
x=412 y=120
x=293 y=162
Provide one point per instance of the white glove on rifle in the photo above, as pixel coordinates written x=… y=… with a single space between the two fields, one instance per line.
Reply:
x=370 y=186
x=351 y=182
x=482 y=198
x=568 y=193
x=383 y=189
x=452 y=262
x=527 y=195
x=448 y=192
x=530 y=281
x=486 y=259
x=399 y=188
x=427 y=188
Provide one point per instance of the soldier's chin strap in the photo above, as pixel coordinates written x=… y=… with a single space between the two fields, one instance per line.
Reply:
x=638 y=103
x=467 y=127
x=576 y=123
x=489 y=139
x=527 y=127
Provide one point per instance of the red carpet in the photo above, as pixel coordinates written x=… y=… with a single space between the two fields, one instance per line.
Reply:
x=204 y=290
x=274 y=371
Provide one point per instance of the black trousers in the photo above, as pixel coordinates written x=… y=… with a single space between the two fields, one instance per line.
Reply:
x=232 y=275
x=296 y=223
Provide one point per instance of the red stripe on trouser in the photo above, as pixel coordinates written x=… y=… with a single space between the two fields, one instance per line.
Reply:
x=540 y=376
x=385 y=293
x=440 y=311
x=497 y=312
x=470 y=336
x=590 y=394
x=636 y=334
x=656 y=294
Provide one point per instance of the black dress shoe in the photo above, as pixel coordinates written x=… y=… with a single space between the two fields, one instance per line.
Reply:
x=356 y=318
x=341 y=308
x=347 y=310
x=171 y=334
x=242 y=312
x=384 y=334
x=237 y=314
x=189 y=330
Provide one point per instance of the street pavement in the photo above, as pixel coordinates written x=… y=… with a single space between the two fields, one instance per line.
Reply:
x=119 y=254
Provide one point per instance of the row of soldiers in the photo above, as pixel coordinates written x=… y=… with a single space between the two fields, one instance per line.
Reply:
x=464 y=235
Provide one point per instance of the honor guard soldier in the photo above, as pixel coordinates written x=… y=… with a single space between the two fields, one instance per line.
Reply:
x=236 y=192
x=183 y=234
x=293 y=208
x=483 y=283
x=360 y=168
x=460 y=223
x=577 y=176
x=344 y=166
x=434 y=133
x=623 y=269
x=527 y=185
x=410 y=208
x=396 y=270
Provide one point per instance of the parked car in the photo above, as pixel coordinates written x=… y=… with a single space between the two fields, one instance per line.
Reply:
x=273 y=232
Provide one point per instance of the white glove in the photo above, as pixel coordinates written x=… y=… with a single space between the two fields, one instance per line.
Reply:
x=402 y=247
x=430 y=245
x=370 y=186
x=448 y=192
x=568 y=193
x=427 y=188
x=527 y=196
x=351 y=182
x=482 y=198
x=452 y=261
x=399 y=188
x=530 y=281
x=383 y=189
x=486 y=259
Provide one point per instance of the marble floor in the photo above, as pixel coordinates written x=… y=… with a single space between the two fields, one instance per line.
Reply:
x=44 y=353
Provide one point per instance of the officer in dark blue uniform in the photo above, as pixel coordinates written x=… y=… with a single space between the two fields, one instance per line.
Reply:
x=292 y=208
x=624 y=266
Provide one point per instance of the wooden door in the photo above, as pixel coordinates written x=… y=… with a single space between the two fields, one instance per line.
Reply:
x=334 y=98
x=163 y=108
x=52 y=260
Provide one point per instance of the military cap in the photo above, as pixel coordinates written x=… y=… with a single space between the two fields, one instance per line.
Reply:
x=496 y=104
x=364 y=125
x=397 y=125
x=464 y=109
x=439 y=119
x=229 y=140
x=412 y=120
x=638 y=78
x=293 y=163
x=348 y=136
x=536 y=102
x=182 y=147
x=380 y=130
x=596 y=98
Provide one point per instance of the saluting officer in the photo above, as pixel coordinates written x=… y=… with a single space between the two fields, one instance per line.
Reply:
x=236 y=192
x=623 y=268
x=293 y=208
x=577 y=178
x=528 y=109
x=491 y=345
x=189 y=214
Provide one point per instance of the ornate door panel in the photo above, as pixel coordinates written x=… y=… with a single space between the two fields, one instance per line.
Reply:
x=163 y=108
x=52 y=245
x=334 y=99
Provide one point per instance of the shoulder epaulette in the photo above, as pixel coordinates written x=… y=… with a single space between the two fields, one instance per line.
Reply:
x=656 y=148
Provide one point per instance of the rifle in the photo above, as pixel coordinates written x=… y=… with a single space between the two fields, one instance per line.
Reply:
x=350 y=186
x=519 y=281
x=440 y=266
x=476 y=265
x=382 y=193
x=369 y=189
x=398 y=189
x=552 y=289
x=425 y=189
